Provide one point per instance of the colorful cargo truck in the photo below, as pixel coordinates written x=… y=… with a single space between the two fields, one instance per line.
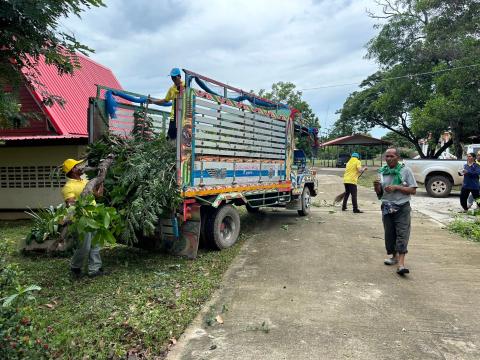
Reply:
x=233 y=149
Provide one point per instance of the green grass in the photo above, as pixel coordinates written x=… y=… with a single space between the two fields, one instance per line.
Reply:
x=367 y=178
x=147 y=299
x=468 y=228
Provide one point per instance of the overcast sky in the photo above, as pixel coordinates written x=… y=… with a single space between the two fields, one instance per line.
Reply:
x=247 y=44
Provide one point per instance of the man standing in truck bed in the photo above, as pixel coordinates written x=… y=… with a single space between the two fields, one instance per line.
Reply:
x=171 y=96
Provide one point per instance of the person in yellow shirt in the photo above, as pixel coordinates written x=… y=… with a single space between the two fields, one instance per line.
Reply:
x=71 y=191
x=172 y=93
x=350 y=179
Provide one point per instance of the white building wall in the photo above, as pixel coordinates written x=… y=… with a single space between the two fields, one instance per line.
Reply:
x=26 y=179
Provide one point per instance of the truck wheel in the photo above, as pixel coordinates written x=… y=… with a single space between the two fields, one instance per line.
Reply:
x=223 y=226
x=305 y=200
x=439 y=186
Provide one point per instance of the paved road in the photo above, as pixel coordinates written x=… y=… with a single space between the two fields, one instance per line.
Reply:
x=440 y=209
x=319 y=290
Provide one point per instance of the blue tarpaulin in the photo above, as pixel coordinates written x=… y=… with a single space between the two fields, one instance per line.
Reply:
x=252 y=99
x=111 y=104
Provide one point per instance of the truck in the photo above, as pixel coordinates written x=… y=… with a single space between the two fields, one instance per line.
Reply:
x=233 y=149
x=438 y=176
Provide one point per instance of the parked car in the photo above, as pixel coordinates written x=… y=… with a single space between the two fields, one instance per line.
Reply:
x=438 y=176
x=342 y=160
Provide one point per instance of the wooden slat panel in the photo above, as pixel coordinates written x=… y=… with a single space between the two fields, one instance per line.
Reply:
x=207 y=112
x=265 y=119
x=229 y=145
x=232 y=110
x=221 y=152
x=256 y=124
x=252 y=116
x=206 y=103
x=275 y=142
x=211 y=134
x=280 y=137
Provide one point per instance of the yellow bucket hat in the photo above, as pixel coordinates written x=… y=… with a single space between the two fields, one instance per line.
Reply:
x=69 y=164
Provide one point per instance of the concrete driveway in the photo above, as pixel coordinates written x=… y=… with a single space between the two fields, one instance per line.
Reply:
x=316 y=288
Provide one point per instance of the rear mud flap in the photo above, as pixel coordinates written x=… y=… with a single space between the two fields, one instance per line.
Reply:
x=183 y=241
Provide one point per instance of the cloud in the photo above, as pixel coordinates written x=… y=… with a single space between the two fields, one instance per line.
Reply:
x=246 y=44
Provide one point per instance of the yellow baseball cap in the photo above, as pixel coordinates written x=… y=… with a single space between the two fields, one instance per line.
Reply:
x=69 y=164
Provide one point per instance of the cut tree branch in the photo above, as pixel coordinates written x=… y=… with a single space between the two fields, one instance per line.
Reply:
x=102 y=168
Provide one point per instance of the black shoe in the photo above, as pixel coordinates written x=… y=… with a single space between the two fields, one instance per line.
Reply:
x=358 y=211
x=402 y=270
x=76 y=273
x=344 y=209
x=100 y=272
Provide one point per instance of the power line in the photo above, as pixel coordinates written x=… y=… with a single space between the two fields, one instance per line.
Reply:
x=393 y=78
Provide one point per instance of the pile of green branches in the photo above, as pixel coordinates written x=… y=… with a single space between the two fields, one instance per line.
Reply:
x=139 y=188
x=141 y=183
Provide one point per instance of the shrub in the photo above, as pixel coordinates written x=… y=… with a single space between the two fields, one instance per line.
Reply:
x=18 y=336
x=466 y=227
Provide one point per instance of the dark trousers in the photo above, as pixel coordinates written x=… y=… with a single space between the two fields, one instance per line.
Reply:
x=464 y=196
x=350 y=189
x=172 y=130
x=397 y=230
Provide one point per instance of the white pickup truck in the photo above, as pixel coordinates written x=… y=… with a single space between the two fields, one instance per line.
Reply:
x=439 y=176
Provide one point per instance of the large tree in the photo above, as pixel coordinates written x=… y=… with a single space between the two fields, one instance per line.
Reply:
x=429 y=74
x=286 y=92
x=30 y=30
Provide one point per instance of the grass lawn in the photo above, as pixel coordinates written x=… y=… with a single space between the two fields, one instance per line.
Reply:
x=145 y=302
x=467 y=226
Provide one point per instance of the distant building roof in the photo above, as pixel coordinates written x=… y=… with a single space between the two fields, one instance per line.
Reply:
x=356 y=139
x=69 y=121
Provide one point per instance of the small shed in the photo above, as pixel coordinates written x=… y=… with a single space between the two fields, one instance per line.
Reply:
x=29 y=154
x=352 y=143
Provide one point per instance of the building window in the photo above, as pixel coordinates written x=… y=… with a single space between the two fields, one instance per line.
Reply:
x=23 y=177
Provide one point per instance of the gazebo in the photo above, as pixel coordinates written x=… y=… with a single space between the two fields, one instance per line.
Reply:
x=352 y=142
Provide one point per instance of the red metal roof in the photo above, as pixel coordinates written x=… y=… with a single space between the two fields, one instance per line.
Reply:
x=41 y=137
x=71 y=119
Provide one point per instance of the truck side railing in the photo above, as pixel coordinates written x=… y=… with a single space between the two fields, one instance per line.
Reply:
x=99 y=122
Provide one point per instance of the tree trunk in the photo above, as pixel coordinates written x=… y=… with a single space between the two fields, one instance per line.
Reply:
x=418 y=147
x=458 y=148
x=457 y=134
x=443 y=148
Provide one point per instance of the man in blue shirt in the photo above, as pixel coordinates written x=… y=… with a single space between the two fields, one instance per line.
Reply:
x=471 y=173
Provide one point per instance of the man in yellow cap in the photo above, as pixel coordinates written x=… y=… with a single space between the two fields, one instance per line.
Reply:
x=71 y=191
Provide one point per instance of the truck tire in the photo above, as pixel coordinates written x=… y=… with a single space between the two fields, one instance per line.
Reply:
x=439 y=186
x=305 y=201
x=223 y=227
